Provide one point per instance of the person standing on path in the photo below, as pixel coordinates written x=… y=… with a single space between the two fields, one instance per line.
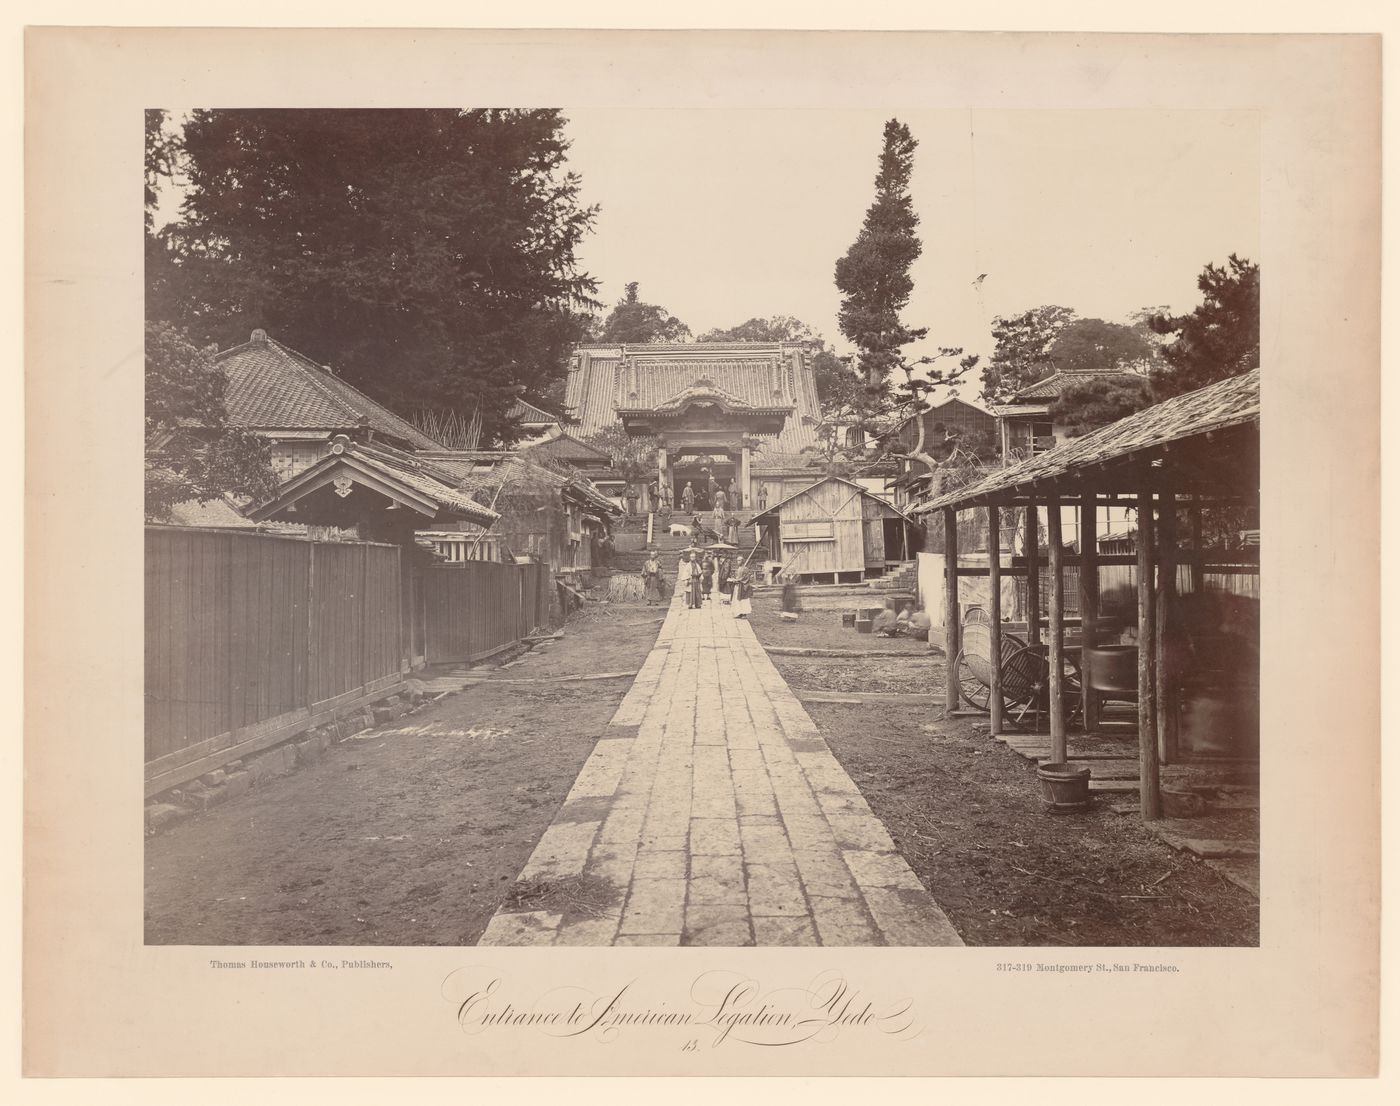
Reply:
x=743 y=590
x=688 y=497
x=651 y=580
x=721 y=501
x=707 y=576
x=724 y=572
x=685 y=573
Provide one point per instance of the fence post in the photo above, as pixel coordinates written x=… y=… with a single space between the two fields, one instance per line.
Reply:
x=311 y=628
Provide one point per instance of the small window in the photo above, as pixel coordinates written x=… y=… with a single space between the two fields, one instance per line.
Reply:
x=809 y=531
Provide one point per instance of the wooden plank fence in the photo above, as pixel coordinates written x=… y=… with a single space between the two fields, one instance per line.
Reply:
x=251 y=639
x=477 y=608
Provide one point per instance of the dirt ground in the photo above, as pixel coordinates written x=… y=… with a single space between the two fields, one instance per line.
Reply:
x=821 y=629
x=966 y=812
x=410 y=834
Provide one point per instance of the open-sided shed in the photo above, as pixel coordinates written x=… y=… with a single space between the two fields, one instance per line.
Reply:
x=835 y=528
x=1175 y=462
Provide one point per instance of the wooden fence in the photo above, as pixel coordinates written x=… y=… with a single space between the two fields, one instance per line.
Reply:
x=251 y=639
x=477 y=608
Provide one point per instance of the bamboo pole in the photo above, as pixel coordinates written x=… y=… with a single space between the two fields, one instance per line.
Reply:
x=1088 y=604
x=994 y=615
x=1059 y=746
x=951 y=637
x=1149 y=774
x=1033 y=574
x=1166 y=608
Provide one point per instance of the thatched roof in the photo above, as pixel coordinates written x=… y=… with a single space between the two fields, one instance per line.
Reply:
x=1218 y=407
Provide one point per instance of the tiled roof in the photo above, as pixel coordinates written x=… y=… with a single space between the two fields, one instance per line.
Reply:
x=529 y=414
x=410 y=472
x=1227 y=403
x=602 y=380
x=273 y=387
x=1055 y=383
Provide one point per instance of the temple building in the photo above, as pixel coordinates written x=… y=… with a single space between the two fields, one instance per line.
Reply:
x=740 y=412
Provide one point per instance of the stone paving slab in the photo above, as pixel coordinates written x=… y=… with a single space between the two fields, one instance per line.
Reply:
x=713 y=813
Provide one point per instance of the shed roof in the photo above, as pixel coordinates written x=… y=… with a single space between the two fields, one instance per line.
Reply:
x=773 y=510
x=271 y=386
x=1224 y=405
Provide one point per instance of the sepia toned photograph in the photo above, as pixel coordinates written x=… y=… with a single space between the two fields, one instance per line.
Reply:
x=746 y=527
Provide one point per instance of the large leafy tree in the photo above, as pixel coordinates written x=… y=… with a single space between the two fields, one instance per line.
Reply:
x=1219 y=339
x=1094 y=345
x=874 y=279
x=1022 y=352
x=192 y=452
x=429 y=255
x=631 y=320
x=775 y=328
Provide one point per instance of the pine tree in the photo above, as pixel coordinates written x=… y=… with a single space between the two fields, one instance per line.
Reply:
x=1219 y=339
x=873 y=276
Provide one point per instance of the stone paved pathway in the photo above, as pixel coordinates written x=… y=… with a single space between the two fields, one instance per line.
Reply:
x=715 y=814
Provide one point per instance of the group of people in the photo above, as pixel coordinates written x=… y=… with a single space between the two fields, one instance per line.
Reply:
x=703 y=576
x=715 y=496
x=906 y=621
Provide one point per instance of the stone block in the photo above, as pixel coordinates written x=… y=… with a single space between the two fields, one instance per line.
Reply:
x=161 y=815
x=210 y=797
x=382 y=714
x=212 y=779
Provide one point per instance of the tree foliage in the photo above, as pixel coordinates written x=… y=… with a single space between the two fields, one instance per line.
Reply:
x=1022 y=352
x=1087 y=405
x=631 y=320
x=429 y=255
x=1219 y=339
x=1094 y=345
x=776 y=328
x=873 y=275
x=633 y=458
x=193 y=453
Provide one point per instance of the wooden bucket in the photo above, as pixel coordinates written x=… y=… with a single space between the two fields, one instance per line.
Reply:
x=1064 y=787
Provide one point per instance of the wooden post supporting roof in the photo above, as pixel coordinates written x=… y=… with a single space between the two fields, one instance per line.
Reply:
x=1088 y=604
x=1149 y=772
x=1059 y=745
x=1166 y=624
x=994 y=615
x=951 y=636
x=1033 y=573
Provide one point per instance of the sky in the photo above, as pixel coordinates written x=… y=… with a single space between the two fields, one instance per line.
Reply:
x=723 y=215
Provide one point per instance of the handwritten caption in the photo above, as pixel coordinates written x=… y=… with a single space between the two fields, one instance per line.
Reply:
x=717 y=1009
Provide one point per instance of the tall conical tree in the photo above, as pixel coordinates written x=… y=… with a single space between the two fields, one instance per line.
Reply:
x=873 y=276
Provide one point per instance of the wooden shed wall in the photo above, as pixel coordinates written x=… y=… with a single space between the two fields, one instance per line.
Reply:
x=842 y=506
